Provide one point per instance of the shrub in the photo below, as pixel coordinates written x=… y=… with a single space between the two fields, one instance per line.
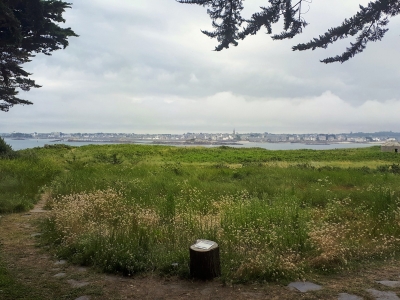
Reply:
x=58 y=146
x=395 y=168
x=6 y=150
x=383 y=169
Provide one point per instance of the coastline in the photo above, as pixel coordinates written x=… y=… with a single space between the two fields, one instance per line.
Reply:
x=196 y=143
x=32 y=143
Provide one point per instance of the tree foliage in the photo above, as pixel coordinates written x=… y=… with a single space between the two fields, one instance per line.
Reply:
x=6 y=150
x=27 y=27
x=369 y=24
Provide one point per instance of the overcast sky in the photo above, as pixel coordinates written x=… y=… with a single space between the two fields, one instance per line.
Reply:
x=143 y=66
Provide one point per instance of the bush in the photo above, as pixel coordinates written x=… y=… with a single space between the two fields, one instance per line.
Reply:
x=58 y=146
x=5 y=150
x=383 y=169
x=395 y=168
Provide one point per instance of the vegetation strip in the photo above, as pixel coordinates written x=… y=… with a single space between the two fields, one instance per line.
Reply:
x=276 y=215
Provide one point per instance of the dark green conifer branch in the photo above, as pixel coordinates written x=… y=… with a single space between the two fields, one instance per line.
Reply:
x=369 y=24
x=27 y=27
x=226 y=20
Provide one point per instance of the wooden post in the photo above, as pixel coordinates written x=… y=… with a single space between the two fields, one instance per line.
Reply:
x=204 y=260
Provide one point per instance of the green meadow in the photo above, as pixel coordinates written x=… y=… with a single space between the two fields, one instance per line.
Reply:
x=275 y=214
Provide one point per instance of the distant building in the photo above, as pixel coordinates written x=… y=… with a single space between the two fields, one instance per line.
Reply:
x=56 y=134
x=360 y=139
x=391 y=147
x=341 y=137
x=331 y=137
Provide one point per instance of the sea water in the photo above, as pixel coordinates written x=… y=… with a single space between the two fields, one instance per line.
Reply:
x=32 y=143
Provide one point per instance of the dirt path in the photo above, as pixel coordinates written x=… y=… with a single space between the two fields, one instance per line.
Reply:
x=44 y=277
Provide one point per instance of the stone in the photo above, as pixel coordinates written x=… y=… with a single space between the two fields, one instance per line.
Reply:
x=389 y=283
x=345 y=296
x=304 y=286
x=77 y=284
x=36 y=234
x=379 y=295
x=59 y=275
x=111 y=277
x=206 y=291
x=60 y=262
x=83 y=298
x=37 y=210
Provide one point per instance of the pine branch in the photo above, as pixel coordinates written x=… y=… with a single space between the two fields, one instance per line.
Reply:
x=369 y=24
x=27 y=27
x=226 y=20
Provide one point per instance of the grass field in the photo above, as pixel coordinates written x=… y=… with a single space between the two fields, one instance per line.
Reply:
x=275 y=214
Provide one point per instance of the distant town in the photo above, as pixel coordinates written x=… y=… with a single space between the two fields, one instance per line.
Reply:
x=212 y=138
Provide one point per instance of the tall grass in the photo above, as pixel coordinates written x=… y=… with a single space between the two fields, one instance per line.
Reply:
x=22 y=178
x=275 y=214
x=260 y=239
x=131 y=213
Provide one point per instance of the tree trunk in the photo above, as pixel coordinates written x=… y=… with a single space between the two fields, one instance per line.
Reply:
x=204 y=260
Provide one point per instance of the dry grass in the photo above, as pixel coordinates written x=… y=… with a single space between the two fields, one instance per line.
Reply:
x=258 y=240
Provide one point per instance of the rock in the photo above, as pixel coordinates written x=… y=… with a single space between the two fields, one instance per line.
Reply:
x=83 y=298
x=390 y=283
x=59 y=275
x=60 y=262
x=345 y=296
x=36 y=234
x=37 y=210
x=77 y=284
x=304 y=286
x=206 y=291
x=379 y=295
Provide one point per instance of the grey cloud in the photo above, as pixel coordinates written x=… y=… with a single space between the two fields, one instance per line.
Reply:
x=145 y=66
